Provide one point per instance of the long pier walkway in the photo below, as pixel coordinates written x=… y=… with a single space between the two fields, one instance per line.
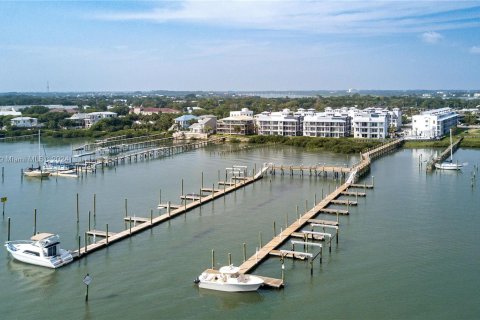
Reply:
x=356 y=172
x=147 y=223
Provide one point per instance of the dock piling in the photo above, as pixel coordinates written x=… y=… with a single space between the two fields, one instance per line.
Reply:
x=229 y=259
x=78 y=211
x=213 y=259
x=244 y=252
x=274 y=230
x=106 y=235
x=34 y=221
x=8 y=229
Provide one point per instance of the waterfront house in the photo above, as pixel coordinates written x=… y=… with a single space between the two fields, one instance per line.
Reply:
x=206 y=124
x=24 y=122
x=94 y=117
x=185 y=121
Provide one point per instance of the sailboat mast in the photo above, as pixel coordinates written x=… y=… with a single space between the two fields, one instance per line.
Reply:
x=39 y=146
x=451 y=146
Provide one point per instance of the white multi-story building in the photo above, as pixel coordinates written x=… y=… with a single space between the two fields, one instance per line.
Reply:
x=434 y=124
x=331 y=123
x=324 y=125
x=370 y=126
x=394 y=116
x=283 y=123
x=94 y=117
x=24 y=122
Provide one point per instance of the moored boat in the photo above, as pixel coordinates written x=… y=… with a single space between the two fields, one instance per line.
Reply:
x=35 y=173
x=42 y=250
x=229 y=279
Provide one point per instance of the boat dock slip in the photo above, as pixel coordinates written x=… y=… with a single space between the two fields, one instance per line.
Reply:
x=210 y=190
x=167 y=205
x=147 y=223
x=136 y=219
x=99 y=233
x=326 y=222
x=307 y=236
x=334 y=211
x=344 y=202
x=364 y=186
x=354 y=194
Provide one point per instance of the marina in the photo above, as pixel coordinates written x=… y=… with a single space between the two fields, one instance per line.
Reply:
x=190 y=239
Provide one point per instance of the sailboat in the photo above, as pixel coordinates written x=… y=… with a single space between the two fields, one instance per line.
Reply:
x=36 y=172
x=449 y=164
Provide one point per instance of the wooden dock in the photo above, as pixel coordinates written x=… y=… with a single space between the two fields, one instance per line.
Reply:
x=147 y=223
x=309 y=216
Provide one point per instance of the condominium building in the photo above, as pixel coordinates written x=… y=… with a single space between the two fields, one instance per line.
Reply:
x=370 y=125
x=324 y=124
x=434 y=124
x=236 y=125
x=283 y=123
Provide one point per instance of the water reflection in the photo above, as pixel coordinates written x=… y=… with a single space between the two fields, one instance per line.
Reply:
x=33 y=276
x=232 y=300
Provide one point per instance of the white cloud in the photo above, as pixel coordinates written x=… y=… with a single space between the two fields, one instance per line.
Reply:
x=334 y=17
x=431 y=37
x=475 y=50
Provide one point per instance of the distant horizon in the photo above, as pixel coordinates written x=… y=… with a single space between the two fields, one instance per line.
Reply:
x=245 y=91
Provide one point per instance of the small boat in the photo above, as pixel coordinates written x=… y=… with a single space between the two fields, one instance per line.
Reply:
x=449 y=165
x=65 y=173
x=35 y=172
x=54 y=165
x=229 y=279
x=42 y=250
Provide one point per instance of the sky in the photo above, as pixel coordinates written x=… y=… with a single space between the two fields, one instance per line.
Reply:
x=239 y=45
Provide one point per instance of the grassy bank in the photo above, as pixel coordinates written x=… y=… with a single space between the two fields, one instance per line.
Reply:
x=339 y=145
x=471 y=139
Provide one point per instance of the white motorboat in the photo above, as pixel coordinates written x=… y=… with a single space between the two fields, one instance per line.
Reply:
x=42 y=250
x=449 y=165
x=229 y=279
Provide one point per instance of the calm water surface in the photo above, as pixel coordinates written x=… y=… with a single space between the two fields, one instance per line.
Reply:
x=409 y=250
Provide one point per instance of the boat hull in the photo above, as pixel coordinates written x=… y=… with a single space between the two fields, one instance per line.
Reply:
x=36 y=174
x=226 y=283
x=227 y=287
x=48 y=262
x=448 y=166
